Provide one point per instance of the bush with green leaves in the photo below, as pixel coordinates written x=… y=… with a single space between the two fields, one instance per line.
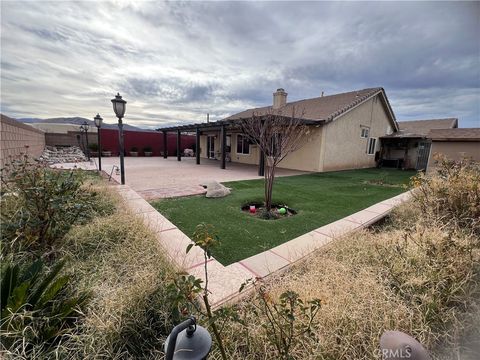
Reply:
x=39 y=205
x=36 y=309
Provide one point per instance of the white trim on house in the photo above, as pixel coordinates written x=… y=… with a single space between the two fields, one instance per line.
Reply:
x=365 y=132
x=244 y=138
x=369 y=145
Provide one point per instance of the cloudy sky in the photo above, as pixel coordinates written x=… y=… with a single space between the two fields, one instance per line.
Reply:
x=174 y=62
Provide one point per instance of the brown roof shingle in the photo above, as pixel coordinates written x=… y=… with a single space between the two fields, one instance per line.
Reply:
x=462 y=134
x=324 y=108
x=421 y=128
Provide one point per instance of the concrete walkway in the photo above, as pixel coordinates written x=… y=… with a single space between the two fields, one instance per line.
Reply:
x=225 y=281
x=156 y=177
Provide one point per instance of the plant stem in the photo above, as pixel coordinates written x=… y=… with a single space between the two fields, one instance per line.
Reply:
x=214 y=328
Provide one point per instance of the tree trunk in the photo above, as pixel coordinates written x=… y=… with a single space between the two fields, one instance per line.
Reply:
x=269 y=179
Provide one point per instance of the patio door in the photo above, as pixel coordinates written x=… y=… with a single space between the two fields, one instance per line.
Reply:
x=423 y=154
x=211 y=147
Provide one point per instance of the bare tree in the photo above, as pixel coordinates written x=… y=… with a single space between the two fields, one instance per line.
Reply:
x=276 y=136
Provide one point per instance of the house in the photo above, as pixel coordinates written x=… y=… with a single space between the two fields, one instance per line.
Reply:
x=345 y=132
x=455 y=144
x=350 y=130
x=409 y=147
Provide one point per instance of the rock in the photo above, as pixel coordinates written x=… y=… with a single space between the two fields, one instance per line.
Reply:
x=71 y=154
x=216 y=190
x=189 y=152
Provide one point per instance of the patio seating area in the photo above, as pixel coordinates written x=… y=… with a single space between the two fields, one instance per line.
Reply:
x=158 y=178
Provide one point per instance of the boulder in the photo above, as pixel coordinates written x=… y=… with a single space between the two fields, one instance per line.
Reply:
x=53 y=155
x=189 y=152
x=216 y=190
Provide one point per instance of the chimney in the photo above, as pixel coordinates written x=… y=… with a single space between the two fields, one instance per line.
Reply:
x=279 y=98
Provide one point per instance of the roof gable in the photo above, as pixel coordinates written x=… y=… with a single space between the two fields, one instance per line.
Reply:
x=319 y=108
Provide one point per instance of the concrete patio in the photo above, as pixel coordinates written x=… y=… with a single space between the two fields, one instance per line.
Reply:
x=156 y=177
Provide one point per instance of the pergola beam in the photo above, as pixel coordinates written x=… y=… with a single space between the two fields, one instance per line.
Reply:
x=217 y=125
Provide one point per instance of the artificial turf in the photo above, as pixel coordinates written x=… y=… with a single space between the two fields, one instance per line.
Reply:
x=319 y=198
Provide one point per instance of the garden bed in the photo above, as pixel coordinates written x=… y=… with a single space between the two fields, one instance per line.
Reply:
x=278 y=211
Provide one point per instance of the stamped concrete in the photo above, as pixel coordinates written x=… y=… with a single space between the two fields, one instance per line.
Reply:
x=225 y=281
x=264 y=263
x=156 y=177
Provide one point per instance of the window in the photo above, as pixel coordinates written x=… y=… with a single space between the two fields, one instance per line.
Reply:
x=372 y=142
x=365 y=132
x=243 y=146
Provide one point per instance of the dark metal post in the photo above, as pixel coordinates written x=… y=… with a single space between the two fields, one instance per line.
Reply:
x=86 y=139
x=261 y=165
x=99 y=150
x=122 y=151
x=197 y=145
x=165 y=147
x=179 y=141
x=223 y=135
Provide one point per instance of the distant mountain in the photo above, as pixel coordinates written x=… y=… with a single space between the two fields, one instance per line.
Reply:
x=78 y=121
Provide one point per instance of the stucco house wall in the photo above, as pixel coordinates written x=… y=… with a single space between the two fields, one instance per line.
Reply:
x=307 y=157
x=343 y=146
x=454 y=150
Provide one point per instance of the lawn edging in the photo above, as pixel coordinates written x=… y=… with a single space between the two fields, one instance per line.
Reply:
x=225 y=281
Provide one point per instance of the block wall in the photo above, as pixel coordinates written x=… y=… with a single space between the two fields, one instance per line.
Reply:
x=17 y=138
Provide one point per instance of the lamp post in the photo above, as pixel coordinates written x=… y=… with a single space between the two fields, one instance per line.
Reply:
x=119 y=106
x=84 y=128
x=98 y=123
x=188 y=341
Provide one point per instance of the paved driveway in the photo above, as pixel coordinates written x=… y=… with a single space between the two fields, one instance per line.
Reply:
x=156 y=177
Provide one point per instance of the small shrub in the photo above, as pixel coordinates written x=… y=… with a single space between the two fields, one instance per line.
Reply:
x=93 y=147
x=290 y=321
x=134 y=149
x=39 y=205
x=147 y=149
x=451 y=194
x=36 y=310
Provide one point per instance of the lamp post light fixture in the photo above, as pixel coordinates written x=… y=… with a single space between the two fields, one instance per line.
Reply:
x=84 y=128
x=98 y=123
x=119 y=106
x=188 y=341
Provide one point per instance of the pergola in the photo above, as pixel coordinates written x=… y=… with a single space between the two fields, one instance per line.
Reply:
x=222 y=126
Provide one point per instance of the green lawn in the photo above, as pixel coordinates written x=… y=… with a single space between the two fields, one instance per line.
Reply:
x=319 y=198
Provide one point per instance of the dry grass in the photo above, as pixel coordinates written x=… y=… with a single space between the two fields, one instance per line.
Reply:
x=120 y=261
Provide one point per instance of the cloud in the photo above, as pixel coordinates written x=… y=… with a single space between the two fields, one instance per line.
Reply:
x=175 y=61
